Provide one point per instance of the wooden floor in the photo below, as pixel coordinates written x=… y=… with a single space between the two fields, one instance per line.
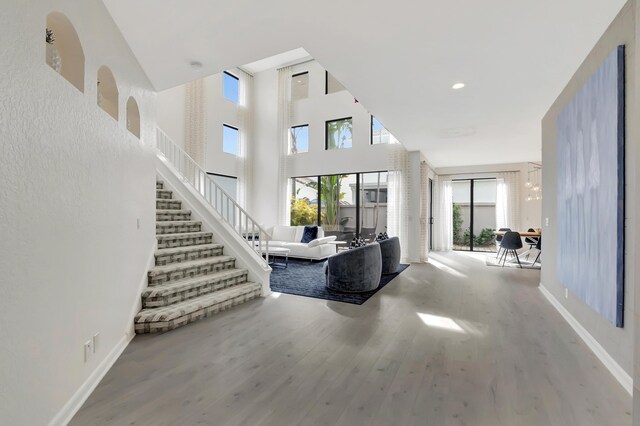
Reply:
x=454 y=342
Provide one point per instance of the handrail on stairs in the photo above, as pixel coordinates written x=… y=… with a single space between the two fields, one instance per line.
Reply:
x=235 y=216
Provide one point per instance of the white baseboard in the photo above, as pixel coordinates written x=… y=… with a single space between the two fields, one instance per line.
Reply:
x=74 y=404
x=618 y=372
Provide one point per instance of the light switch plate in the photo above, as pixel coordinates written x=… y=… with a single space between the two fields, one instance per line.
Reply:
x=88 y=350
x=546 y=221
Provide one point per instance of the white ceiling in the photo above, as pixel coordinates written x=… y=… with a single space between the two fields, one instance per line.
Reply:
x=398 y=58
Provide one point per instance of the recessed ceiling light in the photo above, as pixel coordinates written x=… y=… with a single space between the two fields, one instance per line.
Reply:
x=196 y=65
x=458 y=86
x=299 y=81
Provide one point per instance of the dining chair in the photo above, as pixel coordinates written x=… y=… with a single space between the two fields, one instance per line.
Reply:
x=499 y=239
x=511 y=243
x=531 y=241
x=539 y=248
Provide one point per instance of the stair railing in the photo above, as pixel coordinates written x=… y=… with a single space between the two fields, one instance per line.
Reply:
x=235 y=216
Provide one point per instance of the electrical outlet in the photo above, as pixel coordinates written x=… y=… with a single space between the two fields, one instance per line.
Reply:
x=96 y=338
x=566 y=293
x=88 y=350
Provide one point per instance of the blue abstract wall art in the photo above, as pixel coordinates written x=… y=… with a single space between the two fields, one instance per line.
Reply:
x=591 y=134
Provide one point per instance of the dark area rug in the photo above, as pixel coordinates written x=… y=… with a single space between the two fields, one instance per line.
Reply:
x=304 y=278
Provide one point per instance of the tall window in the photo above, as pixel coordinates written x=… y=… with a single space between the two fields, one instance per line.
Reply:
x=331 y=85
x=230 y=87
x=379 y=134
x=304 y=201
x=373 y=204
x=230 y=136
x=300 y=86
x=345 y=205
x=474 y=214
x=229 y=184
x=299 y=139
x=338 y=134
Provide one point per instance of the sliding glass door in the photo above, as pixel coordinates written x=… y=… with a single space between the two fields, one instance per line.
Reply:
x=345 y=205
x=474 y=214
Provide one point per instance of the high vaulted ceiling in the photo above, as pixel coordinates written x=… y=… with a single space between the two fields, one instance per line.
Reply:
x=398 y=58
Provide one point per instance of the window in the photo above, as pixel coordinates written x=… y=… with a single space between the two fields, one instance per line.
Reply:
x=474 y=214
x=380 y=135
x=372 y=209
x=331 y=85
x=300 y=86
x=338 y=134
x=345 y=205
x=231 y=87
x=304 y=201
x=230 y=136
x=299 y=139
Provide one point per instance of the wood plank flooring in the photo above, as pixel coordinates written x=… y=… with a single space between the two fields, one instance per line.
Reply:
x=490 y=351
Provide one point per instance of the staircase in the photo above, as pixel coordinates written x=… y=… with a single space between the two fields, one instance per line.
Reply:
x=192 y=278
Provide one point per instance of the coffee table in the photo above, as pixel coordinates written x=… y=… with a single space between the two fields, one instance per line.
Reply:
x=280 y=252
x=339 y=245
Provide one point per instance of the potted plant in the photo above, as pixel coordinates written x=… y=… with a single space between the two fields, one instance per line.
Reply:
x=53 y=56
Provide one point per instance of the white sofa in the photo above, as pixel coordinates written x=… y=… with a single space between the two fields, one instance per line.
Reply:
x=290 y=236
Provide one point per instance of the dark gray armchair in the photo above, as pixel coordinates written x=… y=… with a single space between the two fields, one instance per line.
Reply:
x=390 y=250
x=355 y=271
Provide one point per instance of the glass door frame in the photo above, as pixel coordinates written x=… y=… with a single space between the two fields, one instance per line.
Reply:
x=358 y=187
x=471 y=206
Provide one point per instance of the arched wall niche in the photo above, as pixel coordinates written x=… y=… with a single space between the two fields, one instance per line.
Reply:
x=63 y=50
x=133 y=117
x=107 y=92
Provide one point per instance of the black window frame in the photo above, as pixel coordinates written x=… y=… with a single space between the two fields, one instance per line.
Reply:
x=296 y=127
x=471 y=208
x=238 y=80
x=326 y=133
x=298 y=75
x=358 y=186
x=234 y=128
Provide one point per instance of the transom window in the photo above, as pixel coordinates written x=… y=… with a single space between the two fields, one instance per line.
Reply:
x=300 y=86
x=230 y=136
x=338 y=134
x=231 y=87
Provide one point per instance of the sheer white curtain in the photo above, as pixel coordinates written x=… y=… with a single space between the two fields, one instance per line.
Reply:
x=284 y=123
x=424 y=212
x=398 y=197
x=508 y=200
x=443 y=219
x=245 y=119
x=195 y=121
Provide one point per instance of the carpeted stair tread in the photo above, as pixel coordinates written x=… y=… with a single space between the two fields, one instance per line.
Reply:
x=156 y=270
x=172 y=211
x=169 y=317
x=186 y=249
x=184 y=235
x=164 y=194
x=189 y=283
x=166 y=256
x=162 y=204
x=178 y=226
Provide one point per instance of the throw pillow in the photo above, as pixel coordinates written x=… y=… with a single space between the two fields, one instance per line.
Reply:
x=320 y=241
x=357 y=242
x=382 y=236
x=310 y=233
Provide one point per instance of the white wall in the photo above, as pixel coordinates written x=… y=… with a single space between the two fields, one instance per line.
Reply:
x=530 y=211
x=314 y=111
x=73 y=184
x=219 y=111
x=617 y=342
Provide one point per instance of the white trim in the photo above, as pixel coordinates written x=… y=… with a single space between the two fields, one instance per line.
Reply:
x=618 y=372
x=72 y=406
